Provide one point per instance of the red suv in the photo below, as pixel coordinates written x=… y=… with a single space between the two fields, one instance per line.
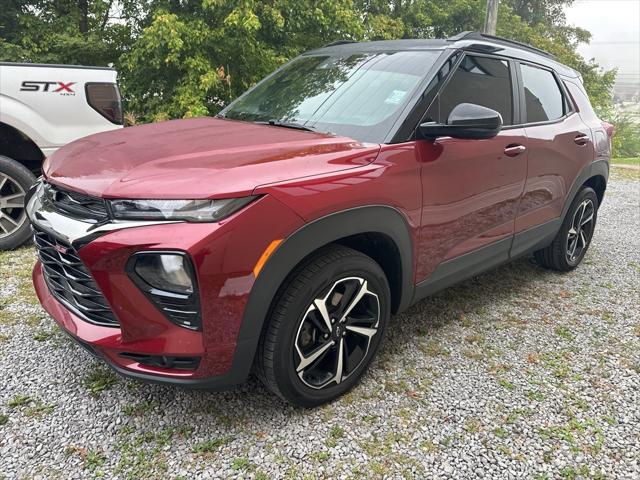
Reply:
x=349 y=184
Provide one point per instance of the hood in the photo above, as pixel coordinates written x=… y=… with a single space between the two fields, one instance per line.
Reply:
x=199 y=158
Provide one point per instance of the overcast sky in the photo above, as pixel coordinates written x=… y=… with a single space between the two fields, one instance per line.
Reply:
x=615 y=26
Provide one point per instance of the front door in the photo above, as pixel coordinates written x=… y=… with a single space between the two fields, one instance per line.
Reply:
x=471 y=188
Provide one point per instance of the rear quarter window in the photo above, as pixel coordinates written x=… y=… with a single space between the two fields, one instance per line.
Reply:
x=543 y=98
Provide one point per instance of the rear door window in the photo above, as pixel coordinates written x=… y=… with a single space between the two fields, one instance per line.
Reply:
x=543 y=98
x=480 y=80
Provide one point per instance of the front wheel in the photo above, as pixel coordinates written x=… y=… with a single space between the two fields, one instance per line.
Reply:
x=325 y=327
x=572 y=241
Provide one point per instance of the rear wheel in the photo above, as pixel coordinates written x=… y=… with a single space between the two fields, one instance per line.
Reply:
x=325 y=327
x=15 y=181
x=572 y=241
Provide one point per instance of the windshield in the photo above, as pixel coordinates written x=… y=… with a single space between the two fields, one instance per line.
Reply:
x=359 y=95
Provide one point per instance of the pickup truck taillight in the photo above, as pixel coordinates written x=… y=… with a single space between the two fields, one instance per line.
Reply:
x=104 y=98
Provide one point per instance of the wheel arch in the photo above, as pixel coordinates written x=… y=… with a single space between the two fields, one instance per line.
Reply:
x=599 y=185
x=361 y=228
x=594 y=175
x=370 y=230
x=18 y=146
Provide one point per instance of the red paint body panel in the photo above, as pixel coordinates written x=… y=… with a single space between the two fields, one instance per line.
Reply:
x=393 y=180
x=555 y=161
x=198 y=158
x=470 y=197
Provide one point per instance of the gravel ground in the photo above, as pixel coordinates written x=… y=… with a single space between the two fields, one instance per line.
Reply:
x=517 y=373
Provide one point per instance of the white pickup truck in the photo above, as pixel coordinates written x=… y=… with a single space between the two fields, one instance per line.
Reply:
x=43 y=107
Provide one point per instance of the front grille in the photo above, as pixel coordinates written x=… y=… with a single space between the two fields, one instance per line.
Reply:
x=70 y=281
x=77 y=205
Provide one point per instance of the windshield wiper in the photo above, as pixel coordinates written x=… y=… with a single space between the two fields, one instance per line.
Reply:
x=278 y=123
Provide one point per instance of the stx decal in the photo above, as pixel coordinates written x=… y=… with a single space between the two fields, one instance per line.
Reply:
x=44 y=86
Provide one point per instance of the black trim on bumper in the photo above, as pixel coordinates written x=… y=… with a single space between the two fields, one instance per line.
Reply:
x=237 y=375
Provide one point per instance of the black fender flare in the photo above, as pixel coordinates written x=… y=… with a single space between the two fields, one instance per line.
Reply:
x=316 y=234
x=594 y=169
x=304 y=241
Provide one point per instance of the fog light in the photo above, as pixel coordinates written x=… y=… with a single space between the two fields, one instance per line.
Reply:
x=165 y=271
x=168 y=279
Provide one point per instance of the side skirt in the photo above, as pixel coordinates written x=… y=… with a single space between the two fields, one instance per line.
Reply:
x=535 y=238
x=462 y=267
x=473 y=263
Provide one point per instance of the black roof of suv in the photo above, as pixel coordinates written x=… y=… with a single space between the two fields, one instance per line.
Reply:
x=470 y=41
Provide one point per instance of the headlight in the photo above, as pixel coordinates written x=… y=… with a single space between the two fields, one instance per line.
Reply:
x=187 y=210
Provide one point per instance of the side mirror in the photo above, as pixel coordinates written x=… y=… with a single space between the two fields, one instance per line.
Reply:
x=467 y=121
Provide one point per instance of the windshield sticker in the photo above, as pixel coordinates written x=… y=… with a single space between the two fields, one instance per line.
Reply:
x=395 y=97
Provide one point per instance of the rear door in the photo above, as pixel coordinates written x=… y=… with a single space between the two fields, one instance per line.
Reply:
x=471 y=188
x=559 y=146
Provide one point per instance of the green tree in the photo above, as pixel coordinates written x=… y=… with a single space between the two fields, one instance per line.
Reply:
x=191 y=61
x=61 y=31
x=191 y=57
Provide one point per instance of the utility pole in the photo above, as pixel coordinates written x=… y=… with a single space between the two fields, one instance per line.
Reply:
x=491 y=19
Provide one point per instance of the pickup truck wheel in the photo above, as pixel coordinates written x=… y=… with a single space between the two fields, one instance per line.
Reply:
x=572 y=241
x=15 y=181
x=325 y=327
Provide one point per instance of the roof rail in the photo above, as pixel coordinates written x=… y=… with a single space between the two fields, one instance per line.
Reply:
x=500 y=40
x=339 y=42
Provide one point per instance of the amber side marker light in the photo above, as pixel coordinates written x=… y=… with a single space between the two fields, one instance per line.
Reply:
x=265 y=256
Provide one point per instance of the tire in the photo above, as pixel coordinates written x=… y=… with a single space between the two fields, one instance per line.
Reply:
x=15 y=181
x=332 y=277
x=563 y=254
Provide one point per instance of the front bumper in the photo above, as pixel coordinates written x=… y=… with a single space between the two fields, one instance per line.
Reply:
x=223 y=254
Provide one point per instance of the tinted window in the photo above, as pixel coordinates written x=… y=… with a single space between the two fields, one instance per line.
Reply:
x=480 y=80
x=542 y=95
x=359 y=95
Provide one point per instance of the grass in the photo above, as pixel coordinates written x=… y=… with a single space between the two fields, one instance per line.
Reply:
x=143 y=456
x=40 y=409
x=209 y=446
x=506 y=384
x=139 y=409
x=626 y=161
x=632 y=174
x=535 y=396
x=4 y=419
x=433 y=348
x=564 y=332
x=93 y=460
x=43 y=335
x=98 y=379
x=241 y=463
x=19 y=401
x=500 y=432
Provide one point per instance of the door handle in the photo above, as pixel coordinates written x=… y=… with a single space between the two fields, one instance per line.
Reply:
x=582 y=139
x=514 y=150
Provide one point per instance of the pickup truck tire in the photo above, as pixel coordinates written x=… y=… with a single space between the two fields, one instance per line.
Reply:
x=15 y=180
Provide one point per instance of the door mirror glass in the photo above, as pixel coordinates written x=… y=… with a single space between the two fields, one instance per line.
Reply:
x=466 y=121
